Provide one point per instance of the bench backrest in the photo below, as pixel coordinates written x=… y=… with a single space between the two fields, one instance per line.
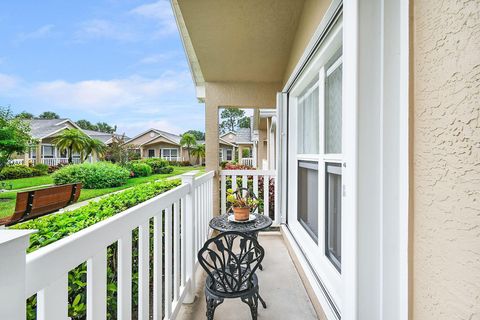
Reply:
x=36 y=203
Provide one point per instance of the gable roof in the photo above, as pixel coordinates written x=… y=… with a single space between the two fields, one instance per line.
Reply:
x=243 y=136
x=43 y=128
x=167 y=135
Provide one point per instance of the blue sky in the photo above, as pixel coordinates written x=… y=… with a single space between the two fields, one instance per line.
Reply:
x=118 y=61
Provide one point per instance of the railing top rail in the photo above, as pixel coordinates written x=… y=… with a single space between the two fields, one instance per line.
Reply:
x=49 y=263
x=204 y=177
x=247 y=172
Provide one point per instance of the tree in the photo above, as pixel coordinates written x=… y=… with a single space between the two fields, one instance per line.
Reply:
x=48 y=115
x=244 y=122
x=118 y=152
x=199 y=152
x=94 y=146
x=199 y=135
x=24 y=115
x=86 y=125
x=14 y=136
x=230 y=119
x=72 y=140
x=105 y=127
x=188 y=140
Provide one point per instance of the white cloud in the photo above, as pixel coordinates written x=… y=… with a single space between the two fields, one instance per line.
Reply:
x=161 y=12
x=39 y=33
x=158 y=58
x=106 y=96
x=8 y=82
x=98 y=28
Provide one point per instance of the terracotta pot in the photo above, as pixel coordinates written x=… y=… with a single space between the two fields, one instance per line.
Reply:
x=241 y=214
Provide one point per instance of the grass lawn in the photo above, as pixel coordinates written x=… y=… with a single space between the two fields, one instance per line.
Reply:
x=7 y=199
x=30 y=182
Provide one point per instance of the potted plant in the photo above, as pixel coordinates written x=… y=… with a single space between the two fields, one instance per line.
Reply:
x=242 y=202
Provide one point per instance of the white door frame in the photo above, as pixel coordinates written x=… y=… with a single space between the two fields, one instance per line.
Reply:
x=376 y=63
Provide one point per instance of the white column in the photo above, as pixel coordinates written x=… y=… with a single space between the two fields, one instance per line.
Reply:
x=190 y=237
x=13 y=245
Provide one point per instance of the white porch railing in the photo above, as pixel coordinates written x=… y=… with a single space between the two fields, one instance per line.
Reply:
x=250 y=179
x=57 y=161
x=16 y=161
x=180 y=218
x=247 y=162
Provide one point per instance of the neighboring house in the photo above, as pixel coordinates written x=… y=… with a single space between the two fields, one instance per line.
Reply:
x=155 y=143
x=45 y=151
x=226 y=150
x=377 y=146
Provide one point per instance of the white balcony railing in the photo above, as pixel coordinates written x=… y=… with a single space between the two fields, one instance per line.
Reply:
x=180 y=226
x=247 y=162
x=255 y=181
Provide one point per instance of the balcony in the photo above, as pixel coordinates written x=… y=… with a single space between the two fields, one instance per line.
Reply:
x=171 y=229
x=280 y=287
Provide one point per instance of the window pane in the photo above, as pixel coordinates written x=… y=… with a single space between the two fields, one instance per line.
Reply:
x=47 y=151
x=333 y=111
x=173 y=152
x=333 y=216
x=308 y=197
x=308 y=110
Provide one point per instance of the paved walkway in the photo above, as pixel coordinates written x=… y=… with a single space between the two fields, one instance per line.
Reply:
x=280 y=286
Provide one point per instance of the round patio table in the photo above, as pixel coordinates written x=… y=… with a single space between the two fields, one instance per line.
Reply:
x=222 y=224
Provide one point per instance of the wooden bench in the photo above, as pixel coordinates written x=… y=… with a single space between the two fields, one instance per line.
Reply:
x=37 y=203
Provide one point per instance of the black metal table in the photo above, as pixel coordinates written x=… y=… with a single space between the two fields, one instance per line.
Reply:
x=222 y=224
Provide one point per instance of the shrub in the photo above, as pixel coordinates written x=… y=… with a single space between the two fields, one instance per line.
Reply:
x=165 y=170
x=55 y=227
x=19 y=171
x=180 y=163
x=93 y=176
x=139 y=169
x=43 y=168
x=52 y=169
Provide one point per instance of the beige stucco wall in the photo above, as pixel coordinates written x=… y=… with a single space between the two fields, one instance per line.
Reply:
x=312 y=14
x=143 y=138
x=446 y=160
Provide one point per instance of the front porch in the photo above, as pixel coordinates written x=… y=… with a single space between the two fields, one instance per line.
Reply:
x=280 y=286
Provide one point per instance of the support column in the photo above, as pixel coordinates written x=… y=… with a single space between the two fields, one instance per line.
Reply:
x=211 y=148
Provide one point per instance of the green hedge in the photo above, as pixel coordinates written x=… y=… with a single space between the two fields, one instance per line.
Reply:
x=139 y=169
x=19 y=171
x=92 y=175
x=155 y=163
x=55 y=227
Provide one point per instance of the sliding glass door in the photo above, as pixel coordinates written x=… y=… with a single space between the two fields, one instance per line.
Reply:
x=315 y=163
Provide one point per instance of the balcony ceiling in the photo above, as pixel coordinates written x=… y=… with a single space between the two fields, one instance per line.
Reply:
x=231 y=40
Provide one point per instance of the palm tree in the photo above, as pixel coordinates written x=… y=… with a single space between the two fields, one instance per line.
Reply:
x=188 y=140
x=72 y=140
x=94 y=146
x=199 y=152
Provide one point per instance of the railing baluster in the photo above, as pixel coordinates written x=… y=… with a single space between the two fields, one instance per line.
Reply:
x=97 y=286
x=176 y=251
x=244 y=184
x=183 y=240
x=234 y=182
x=143 y=270
x=266 y=204
x=124 y=295
x=52 y=302
x=168 y=262
x=255 y=188
x=157 y=266
x=224 y=194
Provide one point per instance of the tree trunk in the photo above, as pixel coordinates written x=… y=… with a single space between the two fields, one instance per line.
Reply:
x=70 y=155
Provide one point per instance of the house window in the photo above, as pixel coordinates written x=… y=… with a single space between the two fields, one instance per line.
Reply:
x=169 y=154
x=315 y=162
x=333 y=214
x=220 y=154
x=48 y=151
x=151 y=153
x=229 y=154
x=33 y=152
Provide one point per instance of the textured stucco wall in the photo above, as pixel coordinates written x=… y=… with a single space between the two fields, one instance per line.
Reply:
x=446 y=160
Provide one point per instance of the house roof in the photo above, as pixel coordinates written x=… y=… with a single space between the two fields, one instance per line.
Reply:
x=43 y=128
x=169 y=136
x=244 y=135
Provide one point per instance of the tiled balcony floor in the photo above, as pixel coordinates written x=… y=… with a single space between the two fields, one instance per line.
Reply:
x=280 y=286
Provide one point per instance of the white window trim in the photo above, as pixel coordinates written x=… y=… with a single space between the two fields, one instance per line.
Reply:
x=381 y=28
